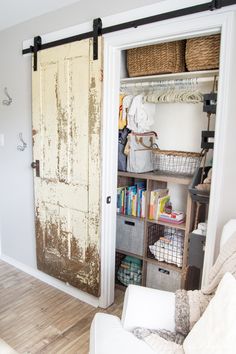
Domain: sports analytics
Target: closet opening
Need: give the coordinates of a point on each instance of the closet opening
(166, 129)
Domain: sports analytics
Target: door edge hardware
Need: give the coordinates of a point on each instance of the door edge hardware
(35, 49)
(108, 200)
(36, 165)
(97, 31)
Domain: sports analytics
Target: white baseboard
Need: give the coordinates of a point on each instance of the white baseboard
(68, 289)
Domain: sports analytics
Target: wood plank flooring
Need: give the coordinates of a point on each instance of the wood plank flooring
(37, 318)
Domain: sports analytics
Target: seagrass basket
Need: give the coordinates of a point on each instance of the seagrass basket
(156, 59)
(203, 53)
(176, 162)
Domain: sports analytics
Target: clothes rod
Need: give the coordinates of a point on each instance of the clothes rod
(166, 83)
(209, 6)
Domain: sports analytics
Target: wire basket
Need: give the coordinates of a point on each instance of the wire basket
(175, 162)
(128, 270)
(166, 244)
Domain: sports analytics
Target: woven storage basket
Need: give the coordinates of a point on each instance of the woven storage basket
(156, 59)
(176, 162)
(203, 53)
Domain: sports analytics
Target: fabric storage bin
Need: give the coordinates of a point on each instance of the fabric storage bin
(156, 59)
(129, 235)
(163, 279)
(203, 53)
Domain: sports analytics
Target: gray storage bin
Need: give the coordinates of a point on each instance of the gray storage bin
(161, 278)
(129, 234)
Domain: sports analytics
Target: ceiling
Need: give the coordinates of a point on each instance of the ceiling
(17, 11)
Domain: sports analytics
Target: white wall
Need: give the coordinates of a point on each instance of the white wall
(16, 182)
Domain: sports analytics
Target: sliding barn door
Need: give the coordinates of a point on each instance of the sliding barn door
(66, 98)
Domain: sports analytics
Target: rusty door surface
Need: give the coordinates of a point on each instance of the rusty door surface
(66, 100)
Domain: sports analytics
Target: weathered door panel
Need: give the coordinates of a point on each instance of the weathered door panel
(66, 98)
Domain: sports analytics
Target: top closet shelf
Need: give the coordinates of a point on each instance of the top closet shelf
(206, 74)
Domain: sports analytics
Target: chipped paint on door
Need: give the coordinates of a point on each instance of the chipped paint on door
(66, 94)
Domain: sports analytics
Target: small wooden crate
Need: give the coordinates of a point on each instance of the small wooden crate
(156, 59)
(203, 53)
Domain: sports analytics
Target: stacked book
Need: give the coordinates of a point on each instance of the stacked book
(175, 217)
(158, 199)
(131, 200)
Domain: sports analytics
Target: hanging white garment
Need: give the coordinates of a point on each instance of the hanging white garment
(126, 105)
(138, 119)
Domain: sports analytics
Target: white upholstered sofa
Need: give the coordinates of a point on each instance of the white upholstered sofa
(143, 307)
(5, 348)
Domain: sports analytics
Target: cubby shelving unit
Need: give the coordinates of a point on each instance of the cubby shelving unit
(153, 181)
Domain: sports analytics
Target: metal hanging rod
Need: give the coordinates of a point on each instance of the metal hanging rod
(166, 83)
(98, 30)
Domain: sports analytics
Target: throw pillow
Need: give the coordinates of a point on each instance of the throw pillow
(215, 332)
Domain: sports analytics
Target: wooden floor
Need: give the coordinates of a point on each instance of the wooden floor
(37, 318)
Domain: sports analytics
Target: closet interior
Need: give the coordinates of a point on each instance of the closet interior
(168, 99)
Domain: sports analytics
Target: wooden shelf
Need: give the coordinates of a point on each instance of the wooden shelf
(178, 179)
(169, 224)
(129, 254)
(159, 222)
(165, 265)
(131, 216)
(205, 75)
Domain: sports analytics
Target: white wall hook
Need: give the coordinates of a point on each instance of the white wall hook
(9, 100)
(23, 146)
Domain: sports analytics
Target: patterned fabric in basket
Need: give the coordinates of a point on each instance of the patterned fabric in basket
(169, 248)
(130, 271)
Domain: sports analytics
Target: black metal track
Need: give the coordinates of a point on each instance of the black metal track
(209, 6)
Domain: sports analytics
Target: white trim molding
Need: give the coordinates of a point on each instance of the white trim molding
(114, 43)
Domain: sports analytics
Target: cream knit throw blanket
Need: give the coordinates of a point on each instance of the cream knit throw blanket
(190, 305)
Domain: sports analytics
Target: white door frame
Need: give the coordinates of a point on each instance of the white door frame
(204, 23)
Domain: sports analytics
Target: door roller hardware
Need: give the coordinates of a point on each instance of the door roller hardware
(98, 30)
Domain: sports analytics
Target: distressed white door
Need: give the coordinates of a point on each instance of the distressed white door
(66, 96)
